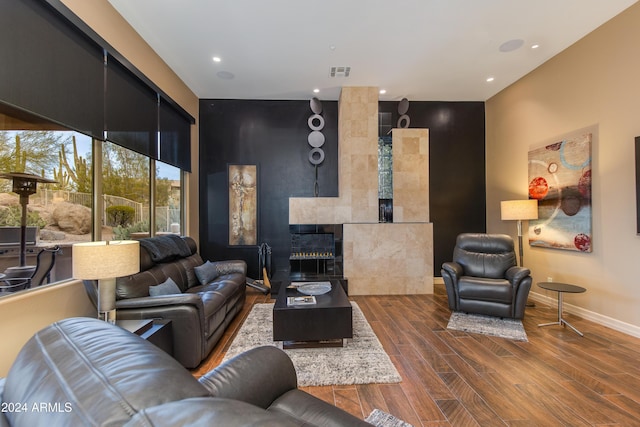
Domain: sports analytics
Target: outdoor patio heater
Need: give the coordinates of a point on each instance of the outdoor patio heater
(24, 185)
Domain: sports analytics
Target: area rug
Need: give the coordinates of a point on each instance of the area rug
(362, 360)
(488, 325)
(382, 419)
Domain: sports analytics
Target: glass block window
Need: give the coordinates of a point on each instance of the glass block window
(385, 168)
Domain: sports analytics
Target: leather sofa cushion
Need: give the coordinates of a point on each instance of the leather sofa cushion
(137, 285)
(104, 374)
(485, 289)
(227, 286)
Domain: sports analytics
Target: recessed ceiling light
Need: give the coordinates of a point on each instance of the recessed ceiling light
(216, 59)
(535, 46)
(383, 91)
(316, 90)
(490, 79)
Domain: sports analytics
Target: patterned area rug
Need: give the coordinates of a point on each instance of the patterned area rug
(488, 325)
(382, 419)
(362, 360)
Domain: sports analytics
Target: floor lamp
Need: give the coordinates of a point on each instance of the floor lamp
(104, 261)
(519, 210)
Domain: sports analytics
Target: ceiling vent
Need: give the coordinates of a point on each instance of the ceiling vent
(340, 71)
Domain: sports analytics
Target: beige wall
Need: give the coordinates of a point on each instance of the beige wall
(22, 315)
(593, 84)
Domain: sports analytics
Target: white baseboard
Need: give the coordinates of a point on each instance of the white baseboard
(600, 319)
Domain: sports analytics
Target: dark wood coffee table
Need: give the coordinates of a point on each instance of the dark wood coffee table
(326, 323)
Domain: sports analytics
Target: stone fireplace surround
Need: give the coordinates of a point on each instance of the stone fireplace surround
(378, 258)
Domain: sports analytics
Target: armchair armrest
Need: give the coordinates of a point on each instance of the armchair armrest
(515, 275)
(258, 376)
(230, 266)
(453, 268)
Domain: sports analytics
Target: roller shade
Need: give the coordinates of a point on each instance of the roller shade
(49, 68)
(175, 137)
(131, 118)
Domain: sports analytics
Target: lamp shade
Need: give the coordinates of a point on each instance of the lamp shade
(104, 260)
(519, 209)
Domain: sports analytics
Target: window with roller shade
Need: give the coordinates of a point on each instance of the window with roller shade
(84, 95)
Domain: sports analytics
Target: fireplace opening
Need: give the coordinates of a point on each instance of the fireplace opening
(316, 251)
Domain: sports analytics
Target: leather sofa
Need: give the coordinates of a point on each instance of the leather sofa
(199, 311)
(86, 372)
(483, 277)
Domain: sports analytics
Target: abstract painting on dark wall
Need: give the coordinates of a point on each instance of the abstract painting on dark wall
(243, 205)
(560, 179)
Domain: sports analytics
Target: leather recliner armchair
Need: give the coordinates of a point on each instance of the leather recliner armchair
(483, 277)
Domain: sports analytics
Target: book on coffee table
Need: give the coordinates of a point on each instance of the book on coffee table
(306, 300)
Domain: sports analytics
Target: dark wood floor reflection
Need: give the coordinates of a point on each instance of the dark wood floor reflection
(459, 379)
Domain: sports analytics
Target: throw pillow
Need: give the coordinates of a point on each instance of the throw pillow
(206, 272)
(168, 287)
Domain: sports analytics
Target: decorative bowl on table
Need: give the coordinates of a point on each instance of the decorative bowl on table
(314, 288)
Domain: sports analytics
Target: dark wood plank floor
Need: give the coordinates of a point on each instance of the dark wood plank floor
(457, 379)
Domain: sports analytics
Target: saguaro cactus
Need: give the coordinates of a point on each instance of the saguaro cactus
(20, 159)
(79, 174)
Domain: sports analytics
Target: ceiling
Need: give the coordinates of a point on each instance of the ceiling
(439, 50)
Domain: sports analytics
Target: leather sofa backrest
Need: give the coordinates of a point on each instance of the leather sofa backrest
(91, 373)
(146, 262)
(484, 255)
(180, 269)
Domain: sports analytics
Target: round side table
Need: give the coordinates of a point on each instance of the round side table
(561, 288)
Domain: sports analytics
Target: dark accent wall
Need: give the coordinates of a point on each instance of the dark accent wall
(273, 135)
(457, 188)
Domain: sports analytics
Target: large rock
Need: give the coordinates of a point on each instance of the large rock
(51, 235)
(72, 219)
(9, 199)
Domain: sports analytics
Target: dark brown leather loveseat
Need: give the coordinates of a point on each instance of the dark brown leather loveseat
(207, 298)
(86, 372)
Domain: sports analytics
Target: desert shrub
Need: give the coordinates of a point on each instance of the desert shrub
(124, 233)
(120, 215)
(12, 216)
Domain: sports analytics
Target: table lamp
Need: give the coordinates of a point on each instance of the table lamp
(519, 210)
(104, 261)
